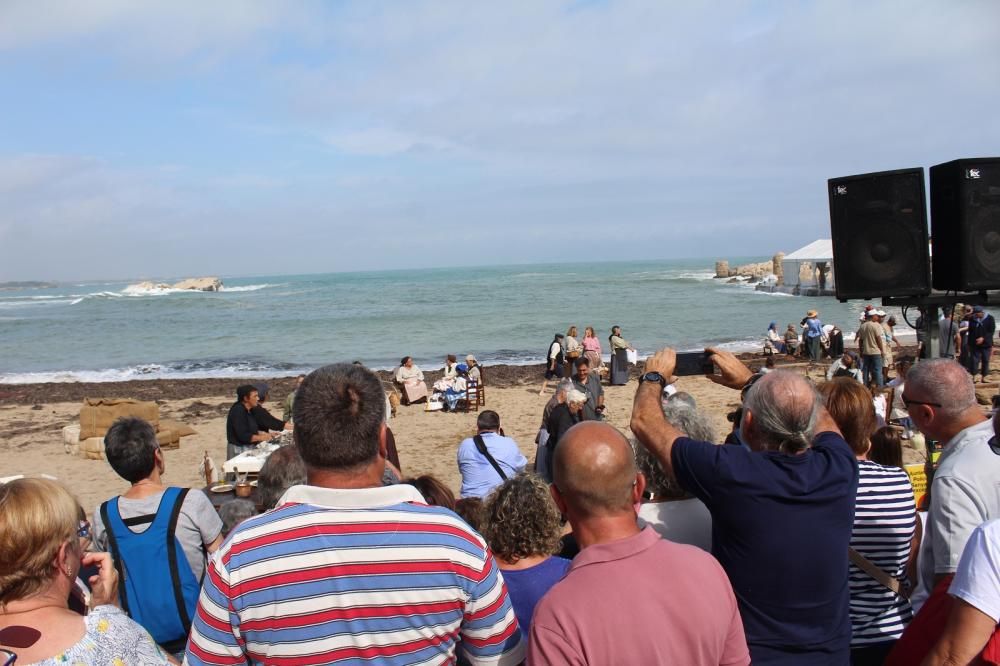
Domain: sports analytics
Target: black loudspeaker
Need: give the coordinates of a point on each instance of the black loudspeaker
(878, 222)
(965, 224)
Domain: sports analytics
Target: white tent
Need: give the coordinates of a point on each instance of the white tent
(817, 260)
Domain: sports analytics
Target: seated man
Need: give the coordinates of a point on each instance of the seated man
(487, 459)
(629, 597)
(411, 383)
(242, 431)
(159, 584)
(346, 570)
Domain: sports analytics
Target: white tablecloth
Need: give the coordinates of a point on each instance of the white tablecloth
(249, 462)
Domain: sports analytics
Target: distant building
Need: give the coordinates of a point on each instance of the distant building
(809, 270)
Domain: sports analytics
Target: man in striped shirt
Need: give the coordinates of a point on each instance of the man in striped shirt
(345, 570)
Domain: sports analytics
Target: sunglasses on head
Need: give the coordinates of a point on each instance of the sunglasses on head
(83, 531)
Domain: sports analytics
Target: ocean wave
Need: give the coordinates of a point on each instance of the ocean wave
(249, 287)
(202, 369)
(11, 305)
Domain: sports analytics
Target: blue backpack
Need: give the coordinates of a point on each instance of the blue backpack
(162, 604)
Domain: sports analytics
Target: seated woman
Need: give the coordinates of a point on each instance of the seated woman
(773, 343)
(475, 370)
(411, 383)
(458, 388)
(521, 525)
(670, 510)
(448, 374)
(38, 566)
(791, 340)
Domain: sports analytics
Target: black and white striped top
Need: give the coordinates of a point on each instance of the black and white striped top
(884, 523)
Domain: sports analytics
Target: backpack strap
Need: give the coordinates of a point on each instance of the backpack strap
(175, 577)
(481, 447)
(880, 576)
(115, 553)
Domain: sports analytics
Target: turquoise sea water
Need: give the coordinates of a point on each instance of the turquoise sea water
(280, 325)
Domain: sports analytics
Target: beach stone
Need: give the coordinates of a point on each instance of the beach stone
(722, 269)
(200, 284)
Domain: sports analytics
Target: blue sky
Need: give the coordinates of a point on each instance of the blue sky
(249, 138)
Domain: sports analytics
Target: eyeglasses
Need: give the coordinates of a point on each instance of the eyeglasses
(7, 656)
(83, 531)
(908, 402)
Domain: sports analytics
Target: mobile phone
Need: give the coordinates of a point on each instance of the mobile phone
(693, 363)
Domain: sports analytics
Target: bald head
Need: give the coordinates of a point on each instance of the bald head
(783, 408)
(594, 470)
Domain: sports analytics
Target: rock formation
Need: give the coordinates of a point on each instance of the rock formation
(722, 269)
(200, 284)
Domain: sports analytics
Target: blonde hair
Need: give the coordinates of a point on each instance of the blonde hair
(589, 332)
(37, 516)
(571, 333)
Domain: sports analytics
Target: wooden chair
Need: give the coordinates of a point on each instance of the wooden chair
(481, 392)
(473, 395)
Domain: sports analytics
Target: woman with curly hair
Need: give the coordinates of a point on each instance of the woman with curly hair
(522, 526)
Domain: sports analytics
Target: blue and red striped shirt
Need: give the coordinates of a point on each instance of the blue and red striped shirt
(354, 577)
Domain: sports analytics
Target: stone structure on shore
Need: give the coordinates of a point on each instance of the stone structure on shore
(751, 272)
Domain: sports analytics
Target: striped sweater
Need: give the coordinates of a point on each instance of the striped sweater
(354, 577)
(884, 523)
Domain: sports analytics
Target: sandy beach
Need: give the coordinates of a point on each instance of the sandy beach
(33, 415)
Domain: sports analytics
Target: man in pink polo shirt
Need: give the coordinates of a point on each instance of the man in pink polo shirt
(629, 597)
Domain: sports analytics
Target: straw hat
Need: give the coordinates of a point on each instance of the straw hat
(812, 313)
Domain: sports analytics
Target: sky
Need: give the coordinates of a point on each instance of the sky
(189, 138)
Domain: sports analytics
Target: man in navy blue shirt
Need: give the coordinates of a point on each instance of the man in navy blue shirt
(782, 507)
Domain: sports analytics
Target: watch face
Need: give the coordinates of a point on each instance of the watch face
(652, 377)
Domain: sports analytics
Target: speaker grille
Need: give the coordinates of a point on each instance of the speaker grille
(878, 223)
(965, 217)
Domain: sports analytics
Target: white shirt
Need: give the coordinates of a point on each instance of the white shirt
(681, 521)
(977, 581)
(965, 493)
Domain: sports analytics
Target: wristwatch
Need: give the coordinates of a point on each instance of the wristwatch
(654, 377)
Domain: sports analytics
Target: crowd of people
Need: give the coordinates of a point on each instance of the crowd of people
(794, 541)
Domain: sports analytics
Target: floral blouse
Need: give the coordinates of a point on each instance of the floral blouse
(111, 639)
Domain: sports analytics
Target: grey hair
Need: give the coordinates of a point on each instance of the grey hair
(564, 386)
(576, 397)
(282, 470)
(784, 407)
(945, 382)
(235, 512)
(680, 414)
(682, 398)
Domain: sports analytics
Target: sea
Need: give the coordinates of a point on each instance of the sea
(282, 325)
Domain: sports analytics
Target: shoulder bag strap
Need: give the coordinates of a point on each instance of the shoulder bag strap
(884, 579)
(116, 556)
(481, 447)
(175, 578)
